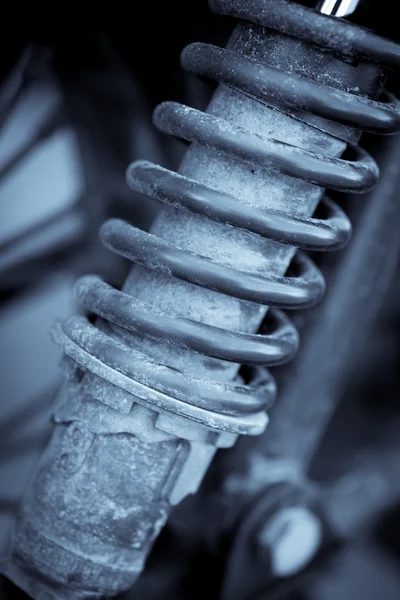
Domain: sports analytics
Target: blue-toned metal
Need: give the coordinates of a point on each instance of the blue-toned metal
(337, 8)
(153, 386)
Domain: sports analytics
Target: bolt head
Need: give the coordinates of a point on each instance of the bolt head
(290, 539)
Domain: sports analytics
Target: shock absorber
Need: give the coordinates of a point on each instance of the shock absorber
(154, 385)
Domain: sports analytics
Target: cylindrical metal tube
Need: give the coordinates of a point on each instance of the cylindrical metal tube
(114, 468)
(337, 8)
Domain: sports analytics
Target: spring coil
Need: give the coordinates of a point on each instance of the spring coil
(235, 407)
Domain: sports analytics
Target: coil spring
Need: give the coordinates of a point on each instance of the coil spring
(236, 407)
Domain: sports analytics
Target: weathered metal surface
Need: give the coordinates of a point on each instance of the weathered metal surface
(104, 487)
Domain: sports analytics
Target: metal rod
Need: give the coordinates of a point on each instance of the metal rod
(337, 8)
(340, 325)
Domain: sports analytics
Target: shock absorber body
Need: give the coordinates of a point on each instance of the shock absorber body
(153, 387)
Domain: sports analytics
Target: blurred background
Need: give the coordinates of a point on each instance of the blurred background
(75, 110)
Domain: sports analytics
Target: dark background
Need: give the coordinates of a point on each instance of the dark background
(150, 35)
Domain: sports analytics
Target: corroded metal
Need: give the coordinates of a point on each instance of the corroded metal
(124, 449)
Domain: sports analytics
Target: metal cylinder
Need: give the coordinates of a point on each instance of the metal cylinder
(337, 8)
(114, 468)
